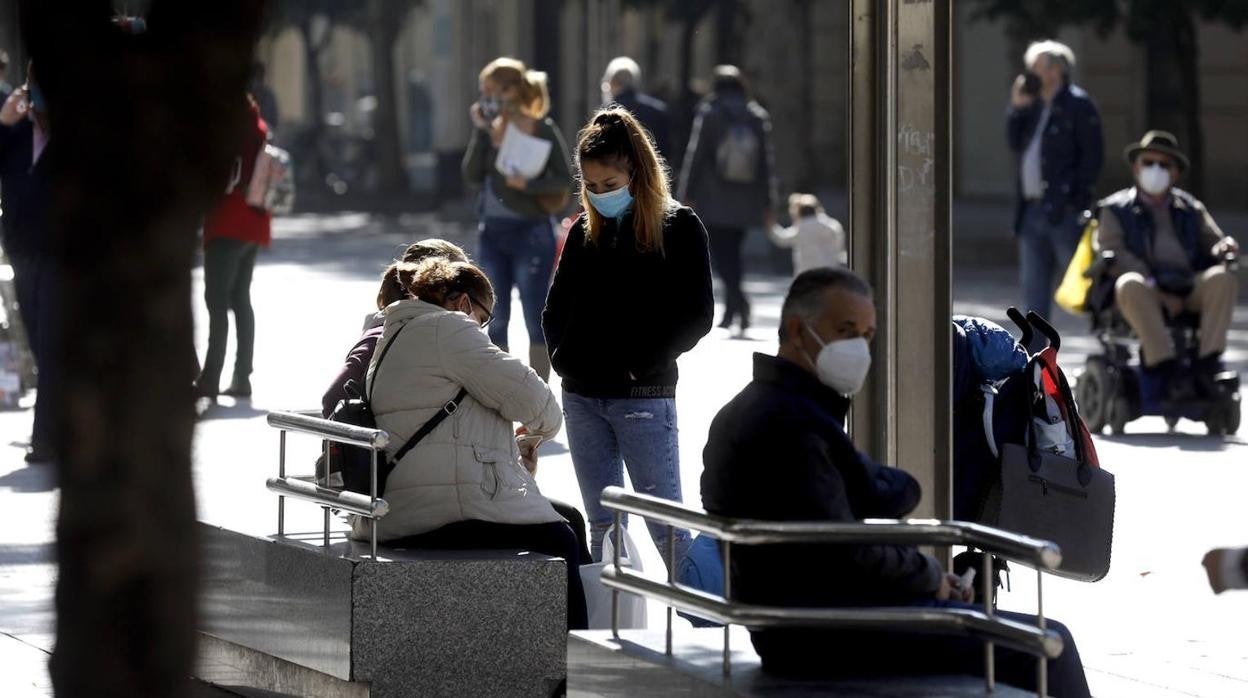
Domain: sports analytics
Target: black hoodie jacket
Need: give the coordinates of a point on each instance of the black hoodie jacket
(617, 318)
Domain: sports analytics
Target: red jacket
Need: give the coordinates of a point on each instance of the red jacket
(232, 217)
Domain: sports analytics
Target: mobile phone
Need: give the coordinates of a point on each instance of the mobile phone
(1031, 84)
(529, 440)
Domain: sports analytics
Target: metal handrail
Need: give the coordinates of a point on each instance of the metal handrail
(370, 507)
(328, 430)
(1038, 641)
(350, 502)
(944, 621)
(1013, 546)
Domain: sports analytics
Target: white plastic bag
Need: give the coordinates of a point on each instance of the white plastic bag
(598, 595)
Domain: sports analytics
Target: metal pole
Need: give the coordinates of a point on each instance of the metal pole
(281, 472)
(326, 510)
(373, 497)
(615, 593)
(990, 663)
(1042, 664)
(671, 579)
(728, 598)
(324, 482)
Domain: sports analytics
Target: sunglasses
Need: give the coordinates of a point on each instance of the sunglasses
(489, 317)
(1151, 162)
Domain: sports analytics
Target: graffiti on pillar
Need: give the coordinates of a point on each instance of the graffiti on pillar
(915, 60)
(916, 163)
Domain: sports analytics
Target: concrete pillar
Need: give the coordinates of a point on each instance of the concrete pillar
(900, 183)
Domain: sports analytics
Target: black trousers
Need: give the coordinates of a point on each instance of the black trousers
(35, 281)
(726, 262)
(555, 539)
(228, 267)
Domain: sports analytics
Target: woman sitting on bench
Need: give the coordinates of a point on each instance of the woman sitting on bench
(464, 485)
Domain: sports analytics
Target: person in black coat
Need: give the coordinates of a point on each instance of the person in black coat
(621, 86)
(24, 139)
(779, 452)
(632, 293)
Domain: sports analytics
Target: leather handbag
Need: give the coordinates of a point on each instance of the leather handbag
(1054, 488)
(1052, 497)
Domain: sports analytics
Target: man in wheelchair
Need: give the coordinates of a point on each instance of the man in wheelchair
(1170, 264)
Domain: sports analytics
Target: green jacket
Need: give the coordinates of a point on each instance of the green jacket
(555, 179)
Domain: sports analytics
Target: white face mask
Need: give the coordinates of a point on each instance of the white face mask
(842, 365)
(1154, 179)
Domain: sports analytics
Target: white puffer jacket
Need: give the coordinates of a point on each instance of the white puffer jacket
(469, 466)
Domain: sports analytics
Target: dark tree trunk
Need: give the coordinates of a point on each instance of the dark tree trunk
(385, 19)
(143, 132)
(1173, 97)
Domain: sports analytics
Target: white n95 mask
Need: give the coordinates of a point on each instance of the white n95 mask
(842, 365)
(1154, 179)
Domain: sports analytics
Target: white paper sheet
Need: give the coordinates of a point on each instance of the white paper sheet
(522, 154)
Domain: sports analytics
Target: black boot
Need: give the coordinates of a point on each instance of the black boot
(1205, 373)
(1176, 381)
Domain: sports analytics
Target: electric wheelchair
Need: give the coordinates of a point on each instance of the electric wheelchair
(1114, 389)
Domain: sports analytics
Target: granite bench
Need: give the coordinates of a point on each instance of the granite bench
(292, 616)
(637, 665)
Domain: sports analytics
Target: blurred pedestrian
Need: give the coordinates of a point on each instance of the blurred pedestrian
(1054, 128)
(817, 239)
(234, 232)
(265, 98)
(631, 294)
(24, 143)
(728, 177)
(5, 88)
(621, 86)
(517, 243)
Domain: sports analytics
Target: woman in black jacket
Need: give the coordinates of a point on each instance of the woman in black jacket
(632, 293)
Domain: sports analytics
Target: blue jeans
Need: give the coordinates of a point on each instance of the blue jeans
(517, 253)
(604, 436)
(1044, 251)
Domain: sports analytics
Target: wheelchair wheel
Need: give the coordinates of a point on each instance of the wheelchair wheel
(1092, 394)
(1231, 417)
(1119, 408)
(1215, 421)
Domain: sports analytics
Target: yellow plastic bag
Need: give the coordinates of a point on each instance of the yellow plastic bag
(1072, 294)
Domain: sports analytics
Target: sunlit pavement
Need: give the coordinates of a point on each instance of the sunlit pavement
(1151, 628)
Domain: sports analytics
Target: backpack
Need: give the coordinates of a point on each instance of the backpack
(272, 186)
(354, 463)
(738, 153)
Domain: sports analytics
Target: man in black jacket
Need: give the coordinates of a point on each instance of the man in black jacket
(1054, 128)
(778, 451)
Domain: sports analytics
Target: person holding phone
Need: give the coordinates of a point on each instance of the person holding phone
(24, 140)
(463, 486)
(1054, 128)
(517, 228)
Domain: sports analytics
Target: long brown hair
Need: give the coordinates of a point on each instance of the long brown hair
(532, 92)
(614, 137)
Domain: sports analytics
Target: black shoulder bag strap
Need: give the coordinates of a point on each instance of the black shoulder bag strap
(447, 410)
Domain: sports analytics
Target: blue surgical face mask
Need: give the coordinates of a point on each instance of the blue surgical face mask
(612, 204)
